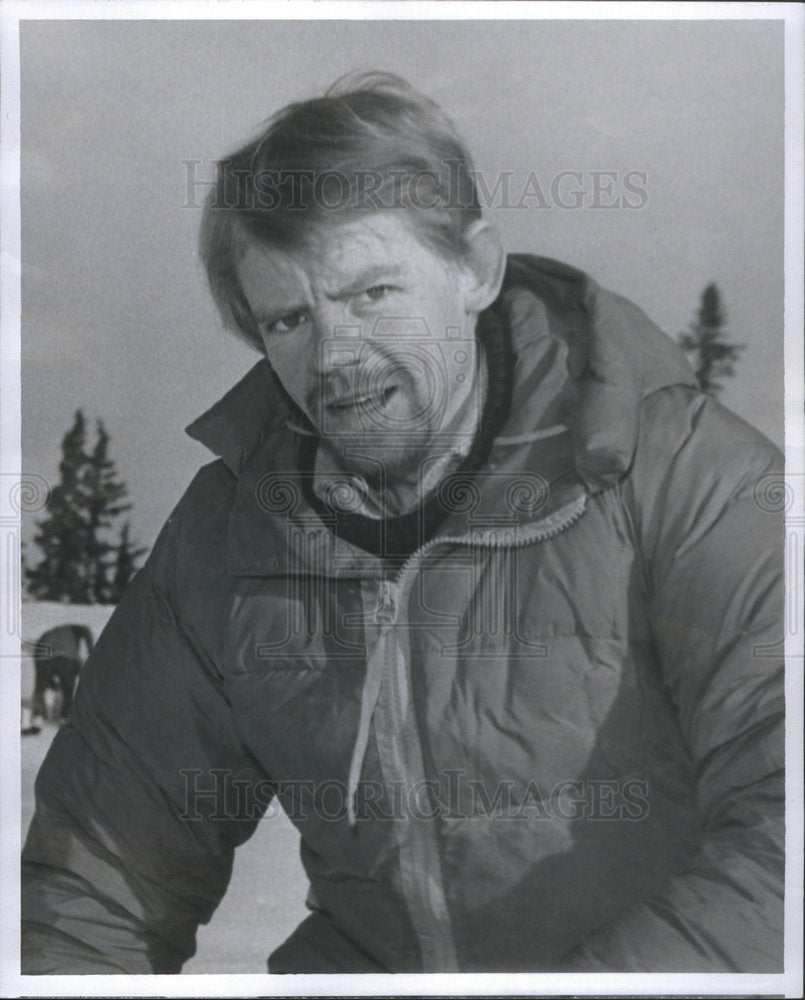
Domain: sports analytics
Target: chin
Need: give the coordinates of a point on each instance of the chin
(376, 461)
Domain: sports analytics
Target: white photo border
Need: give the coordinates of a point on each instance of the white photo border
(12, 983)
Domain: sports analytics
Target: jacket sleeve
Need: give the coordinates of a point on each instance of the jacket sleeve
(705, 495)
(140, 801)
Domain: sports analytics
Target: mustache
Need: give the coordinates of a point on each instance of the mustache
(357, 381)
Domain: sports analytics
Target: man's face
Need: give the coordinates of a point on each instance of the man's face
(372, 335)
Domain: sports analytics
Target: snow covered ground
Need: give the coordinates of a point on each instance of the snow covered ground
(265, 900)
(39, 616)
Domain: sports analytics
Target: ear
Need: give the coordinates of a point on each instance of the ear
(482, 265)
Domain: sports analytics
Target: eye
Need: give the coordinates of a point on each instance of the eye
(377, 292)
(288, 321)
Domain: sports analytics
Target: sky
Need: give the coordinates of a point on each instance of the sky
(118, 117)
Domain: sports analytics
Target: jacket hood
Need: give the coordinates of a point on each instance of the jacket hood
(613, 357)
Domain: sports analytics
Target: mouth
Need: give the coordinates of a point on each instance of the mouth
(365, 402)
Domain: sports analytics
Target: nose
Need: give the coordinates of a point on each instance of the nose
(338, 337)
(335, 347)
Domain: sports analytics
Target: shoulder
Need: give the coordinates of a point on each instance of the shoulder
(207, 500)
(193, 539)
(699, 470)
(682, 427)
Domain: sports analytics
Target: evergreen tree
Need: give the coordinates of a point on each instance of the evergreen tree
(126, 558)
(79, 557)
(61, 536)
(103, 493)
(711, 355)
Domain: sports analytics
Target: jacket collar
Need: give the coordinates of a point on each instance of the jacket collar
(252, 411)
(560, 322)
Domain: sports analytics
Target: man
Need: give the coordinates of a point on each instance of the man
(478, 587)
(58, 658)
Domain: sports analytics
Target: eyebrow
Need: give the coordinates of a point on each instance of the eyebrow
(365, 279)
(368, 277)
(267, 318)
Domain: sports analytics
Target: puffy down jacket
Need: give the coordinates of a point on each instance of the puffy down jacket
(551, 741)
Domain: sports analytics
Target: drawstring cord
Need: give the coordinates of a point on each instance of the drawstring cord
(369, 697)
(384, 616)
(549, 432)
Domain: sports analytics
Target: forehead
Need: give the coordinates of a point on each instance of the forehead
(335, 254)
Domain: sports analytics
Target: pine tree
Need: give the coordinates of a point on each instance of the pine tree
(78, 554)
(126, 558)
(711, 355)
(103, 495)
(62, 535)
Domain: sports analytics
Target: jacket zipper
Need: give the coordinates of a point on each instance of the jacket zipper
(421, 878)
(541, 531)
